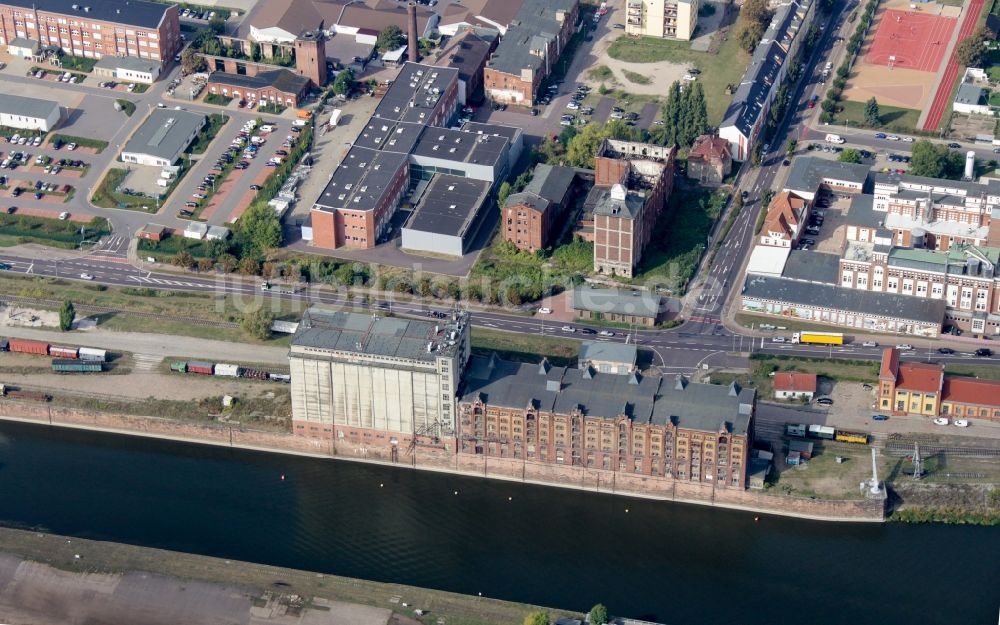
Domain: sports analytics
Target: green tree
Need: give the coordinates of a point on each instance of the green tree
(258, 229)
(257, 323)
(971, 52)
(502, 193)
(255, 53)
(598, 615)
(670, 115)
(391, 38)
(749, 35)
(698, 113)
(872, 115)
(191, 61)
(183, 259)
(67, 314)
(754, 18)
(849, 155)
(227, 262)
(929, 159)
(791, 145)
(344, 82)
(249, 266)
(217, 25)
(540, 617)
(581, 150)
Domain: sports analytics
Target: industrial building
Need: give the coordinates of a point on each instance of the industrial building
(632, 182)
(276, 86)
(128, 69)
(17, 111)
(92, 29)
(529, 50)
(401, 153)
(162, 137)
(533, 217)
(640, 424)
(441, 221)
(367, 380)
(666, 19)
(616, 305)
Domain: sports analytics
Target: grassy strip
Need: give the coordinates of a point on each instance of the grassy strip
(215, 123)
(217, 99)
(163, 251)
(272, 108)
(127, 106)
(636, 77)
(601, 72)
(522, 347)
(77, 63)
(718, 70)
(114, 558)
(946, 514)
(893, 118)
(83, 142)
(47, 231)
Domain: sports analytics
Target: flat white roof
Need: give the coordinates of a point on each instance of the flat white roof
(767, 260)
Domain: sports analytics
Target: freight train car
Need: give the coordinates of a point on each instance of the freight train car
(279, 377)
(92, 353)
(61, 351)
(179, 367)
(76, 366)
(232, 371)
(16, 393)
(204, 368)
(28, 346)
(847, 436)
(4, 345)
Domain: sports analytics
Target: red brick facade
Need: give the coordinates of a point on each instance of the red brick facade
(80, 33)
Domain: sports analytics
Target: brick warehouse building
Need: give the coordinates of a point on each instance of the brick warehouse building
(136, 28)
(529, 50)
(534, 216)
(643, 425)
(632, 182)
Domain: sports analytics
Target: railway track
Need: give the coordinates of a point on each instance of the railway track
(28, 301)
(906, 447)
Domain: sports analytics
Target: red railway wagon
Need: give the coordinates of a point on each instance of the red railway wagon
(59, 351)
(205, 368)
(28, 346)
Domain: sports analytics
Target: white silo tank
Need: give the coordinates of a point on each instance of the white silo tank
(970, 165)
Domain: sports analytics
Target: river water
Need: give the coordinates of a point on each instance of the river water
(672, 563)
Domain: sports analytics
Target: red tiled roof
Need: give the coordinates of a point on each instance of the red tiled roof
(709, 147)
(971, 391)
(794, 381)
(890, 362)
(918, 376)
(783, 213)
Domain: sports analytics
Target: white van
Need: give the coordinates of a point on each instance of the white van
(831, 138)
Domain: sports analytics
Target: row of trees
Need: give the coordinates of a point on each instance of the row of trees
(755, 15)
(684, 115)
(833, 95)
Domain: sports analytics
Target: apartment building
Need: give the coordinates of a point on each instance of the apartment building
(925, 389)
(747, 114)
(529, 50)
(135, 28)
(632, 182)
(654, 426)
(359, 379)
(531, 218)
(668, 19)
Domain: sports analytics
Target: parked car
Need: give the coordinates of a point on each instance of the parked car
(962, 423)
(880, 417)
(824, 401)
(880, 135)
(778, 339)
(86, 276)
(945, 350)
(587, 331)
(892, 138)
(544, 311)
(63, 216)
(568, 329)
(984, 352)
(606, 333)
(955, 146)
(907, 139)
(191, 204)
(941, 421)
(903, 347)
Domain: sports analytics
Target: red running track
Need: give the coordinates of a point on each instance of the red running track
(951, 71)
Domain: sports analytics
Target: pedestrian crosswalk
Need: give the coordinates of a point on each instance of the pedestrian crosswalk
(146, 362)
(165, 282)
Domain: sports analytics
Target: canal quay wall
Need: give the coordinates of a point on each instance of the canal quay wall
(443, 458)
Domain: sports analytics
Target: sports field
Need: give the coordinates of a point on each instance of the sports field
(910, 40)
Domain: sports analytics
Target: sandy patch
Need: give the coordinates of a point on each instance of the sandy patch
(905, 88)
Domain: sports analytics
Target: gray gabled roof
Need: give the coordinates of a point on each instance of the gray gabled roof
(885, 305)
(809, 172)
(532, 28)
(28, 107)
(617, 301)
(127, 12)
(165, 133)
(644, 399)
(551, 182)
(608, 352)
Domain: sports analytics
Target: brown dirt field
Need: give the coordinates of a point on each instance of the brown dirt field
(905, 88)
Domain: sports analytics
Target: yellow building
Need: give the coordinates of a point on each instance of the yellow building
(670, 19)
(911, 387)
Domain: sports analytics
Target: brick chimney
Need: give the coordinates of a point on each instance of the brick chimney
(411, 34)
